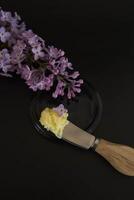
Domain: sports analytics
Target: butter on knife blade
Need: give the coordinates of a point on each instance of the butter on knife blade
(58, 124)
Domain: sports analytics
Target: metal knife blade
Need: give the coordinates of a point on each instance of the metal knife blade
(77, 136)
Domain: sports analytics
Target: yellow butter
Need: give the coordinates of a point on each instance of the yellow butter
(52, 121)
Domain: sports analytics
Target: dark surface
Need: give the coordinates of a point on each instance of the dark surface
(98, 37)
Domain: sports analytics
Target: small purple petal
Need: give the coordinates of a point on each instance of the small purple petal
(25, 72)
(54, 52)
(4, 35)
(60, 109)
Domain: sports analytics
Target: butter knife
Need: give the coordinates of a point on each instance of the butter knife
(121, 157)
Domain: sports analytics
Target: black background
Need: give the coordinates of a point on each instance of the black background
(98, 37)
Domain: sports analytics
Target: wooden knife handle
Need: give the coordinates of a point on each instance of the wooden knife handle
(121, 157)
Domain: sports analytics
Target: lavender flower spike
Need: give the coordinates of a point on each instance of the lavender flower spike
(41, 66)
(4, 35)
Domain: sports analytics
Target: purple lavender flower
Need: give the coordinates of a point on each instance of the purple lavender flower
(74, 75)
(38, 53)
(54, 52)
(15, 24)
(53, 68)
(63, 65)
(59, 91)
(4, 35)
(60, 109)
(11, 27)
(17, 54)
(35, 81)
(41, 66)
(74, 88)
(27, 34)
(5, 65)
(5, 16)
(38, 81)
(36, 44)
(48, 82)
(25, 72)
(36, 41)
